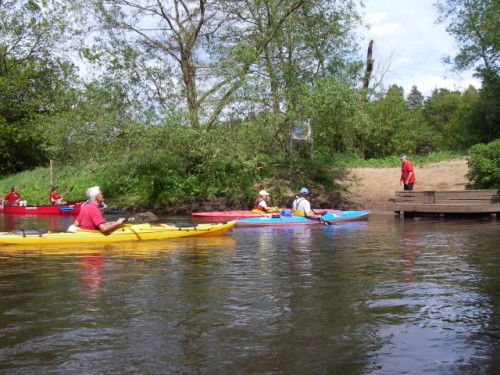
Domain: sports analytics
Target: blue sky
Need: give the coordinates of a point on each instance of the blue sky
(409, 46)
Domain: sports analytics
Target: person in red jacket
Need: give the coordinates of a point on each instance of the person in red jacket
(54, 197)
(407, 172)
(13, 198)
(90, 216)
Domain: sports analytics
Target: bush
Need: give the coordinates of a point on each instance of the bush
(484, 166)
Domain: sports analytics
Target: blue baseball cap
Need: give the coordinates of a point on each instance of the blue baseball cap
(304, 191)
(402, 156)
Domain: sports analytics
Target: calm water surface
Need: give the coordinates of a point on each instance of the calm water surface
(383, 296)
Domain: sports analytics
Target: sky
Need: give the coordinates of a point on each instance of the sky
(409, 46)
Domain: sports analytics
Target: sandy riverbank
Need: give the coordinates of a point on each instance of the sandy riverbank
(371, 188)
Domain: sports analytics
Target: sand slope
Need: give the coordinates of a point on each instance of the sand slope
(371, 188)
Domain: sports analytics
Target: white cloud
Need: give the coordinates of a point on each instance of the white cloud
(409, 46)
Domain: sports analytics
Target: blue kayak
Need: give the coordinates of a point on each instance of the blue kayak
(279, 220)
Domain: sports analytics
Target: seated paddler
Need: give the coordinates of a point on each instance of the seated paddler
(261, 203)
(91, 217)
(54, 197)
(302, 207)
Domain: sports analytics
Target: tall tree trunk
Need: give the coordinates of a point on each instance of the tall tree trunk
(273, 82)
(368, 70)
(188, 69)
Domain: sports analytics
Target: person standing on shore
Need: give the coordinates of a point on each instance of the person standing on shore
(407, 173)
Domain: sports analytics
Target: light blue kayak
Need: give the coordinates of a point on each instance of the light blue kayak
(279, 220)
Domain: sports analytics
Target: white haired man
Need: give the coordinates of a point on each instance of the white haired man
(90, 216)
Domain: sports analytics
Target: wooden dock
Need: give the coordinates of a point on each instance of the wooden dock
(466, 202)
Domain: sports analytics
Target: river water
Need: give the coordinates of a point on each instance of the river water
(382, 296)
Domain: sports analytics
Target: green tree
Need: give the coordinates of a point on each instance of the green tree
(415, 99)
(32, 74)
(394, 127)
(170, 45)
(27, 92)
(485, 118)
(97, 125)
(484, 166)
(310, 47)
(475, 25)
(338, 125)
(441, 111)
(452, 115)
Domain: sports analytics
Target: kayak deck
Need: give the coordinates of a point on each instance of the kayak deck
(127, 232)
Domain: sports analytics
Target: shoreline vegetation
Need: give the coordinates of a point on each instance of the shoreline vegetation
(367, 185)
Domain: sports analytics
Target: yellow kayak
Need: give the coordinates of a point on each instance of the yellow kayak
(127, 232)
(213, 245)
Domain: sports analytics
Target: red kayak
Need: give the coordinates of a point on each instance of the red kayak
(242, 214)
(64, 209)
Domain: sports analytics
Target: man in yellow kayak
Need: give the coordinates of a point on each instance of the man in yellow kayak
(90, 216)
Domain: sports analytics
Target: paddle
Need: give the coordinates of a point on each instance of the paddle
(115, 212)
(140, 218)
(324, 221)
(63, 195)
(320, 218)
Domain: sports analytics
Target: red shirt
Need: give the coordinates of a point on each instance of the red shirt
(11, 198)
(406, 168)
(90, 217)
(53, 197)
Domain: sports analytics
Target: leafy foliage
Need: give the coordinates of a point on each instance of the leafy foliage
(484, 166)
(475, 26)
(334, 110)
(27, 91)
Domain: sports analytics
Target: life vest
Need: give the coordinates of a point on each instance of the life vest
(256, 205)
(258, 209)
(296, 207)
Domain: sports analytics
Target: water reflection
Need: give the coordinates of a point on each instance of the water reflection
(10, 222)
(411, 253)
(91, 275)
